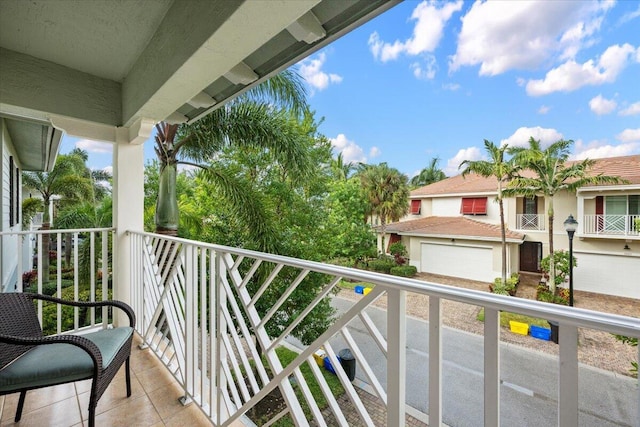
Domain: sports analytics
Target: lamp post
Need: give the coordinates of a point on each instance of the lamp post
(570, 224)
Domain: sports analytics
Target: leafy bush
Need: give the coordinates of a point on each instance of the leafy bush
(561, 261)
(544, 294)
(28, 277)
(382, 265)
(507, 289)
(399, 251)
(404, 270)
(50, 310)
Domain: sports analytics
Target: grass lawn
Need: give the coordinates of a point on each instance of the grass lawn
(287, 356)
(506, 316)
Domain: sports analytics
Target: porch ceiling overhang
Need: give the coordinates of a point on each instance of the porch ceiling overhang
(453, 227)
(115, 64)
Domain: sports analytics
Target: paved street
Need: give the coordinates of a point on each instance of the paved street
(529, 378)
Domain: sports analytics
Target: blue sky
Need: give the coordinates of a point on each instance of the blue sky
(434, 79)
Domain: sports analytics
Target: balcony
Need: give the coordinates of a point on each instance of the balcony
(612, 225)
(198, 319)
(530, 222)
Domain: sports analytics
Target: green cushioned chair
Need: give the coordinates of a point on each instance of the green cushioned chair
(29, 360)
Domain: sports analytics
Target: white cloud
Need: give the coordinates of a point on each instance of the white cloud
(520, 137)
(451, 86)
(471, 153)
(571, 75)
(108, 169)
(602, 106)
(543, 109)
(631, 110)
(351, 152)
(629, 16)
(629, 135)
(427, 33)
(501, 36)
(311, 71)
(599, 150)
(94, 146)
(374, 152)
(426, 71)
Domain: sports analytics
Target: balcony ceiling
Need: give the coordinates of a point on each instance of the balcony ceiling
(113, 63)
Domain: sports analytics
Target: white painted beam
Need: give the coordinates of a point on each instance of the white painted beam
(35, 88)
(179, 64)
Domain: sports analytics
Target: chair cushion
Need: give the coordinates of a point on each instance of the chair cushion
(61, 363)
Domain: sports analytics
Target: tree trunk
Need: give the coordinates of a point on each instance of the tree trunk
(67, 249)
(552, 264)
(166, 217)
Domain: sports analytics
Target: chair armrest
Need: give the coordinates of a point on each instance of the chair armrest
(113, 303)
(79, 341)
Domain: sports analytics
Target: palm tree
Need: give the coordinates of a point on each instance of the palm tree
(387, 192)
(62, 181)
(261, 118)
(340, 169)
(552, 174)
(503, 170)
(428, 175)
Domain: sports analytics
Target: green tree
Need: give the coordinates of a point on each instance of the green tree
(503, 170)
(387, 193)
(261, 118)
(340, 169)
(552, 174)
(63, 181)
(428, 175)
(351, 235)
(291, 199)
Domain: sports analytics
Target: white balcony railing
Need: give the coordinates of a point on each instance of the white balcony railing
(530, 222)
(614, 225)
(79, 268)
(196, 306)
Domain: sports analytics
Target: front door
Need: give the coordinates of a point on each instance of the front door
(530, 256)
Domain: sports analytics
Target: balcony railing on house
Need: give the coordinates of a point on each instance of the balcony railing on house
(614, 225)
(76, 264)
(530, 222)
(196, 305)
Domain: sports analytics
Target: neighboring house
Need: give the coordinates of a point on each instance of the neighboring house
(18, 154)
(453, 229)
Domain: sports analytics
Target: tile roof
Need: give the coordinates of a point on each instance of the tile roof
(452, 226)
(627, 167)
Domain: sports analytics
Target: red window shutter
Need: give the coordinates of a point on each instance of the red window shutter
(467, 206)
(599, 213)
(415, 207)
(474, 206)
(480, 206)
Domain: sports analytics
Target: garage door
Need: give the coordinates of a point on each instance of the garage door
(469, 262)
(607, 274)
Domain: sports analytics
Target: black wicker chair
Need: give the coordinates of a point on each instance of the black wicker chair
(29, 360)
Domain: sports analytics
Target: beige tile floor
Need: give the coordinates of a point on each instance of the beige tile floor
(153, 401)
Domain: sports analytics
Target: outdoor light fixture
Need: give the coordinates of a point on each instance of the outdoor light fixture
(570, 225)
(626, 247)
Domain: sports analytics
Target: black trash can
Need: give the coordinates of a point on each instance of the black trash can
(348, 363)
(554, 330)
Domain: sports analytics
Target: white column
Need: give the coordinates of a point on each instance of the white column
(128, 204)
(491, 367)
(568, 376)
(396, 356)
(580, 215)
